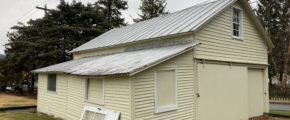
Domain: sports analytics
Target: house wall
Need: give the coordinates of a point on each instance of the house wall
(123, 48)
(143, 92)
(68, 100)
(218, 43)
(53, 103)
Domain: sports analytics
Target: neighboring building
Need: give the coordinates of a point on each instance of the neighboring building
(207, 62)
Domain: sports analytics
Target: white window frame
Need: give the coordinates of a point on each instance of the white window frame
(86, 83)
(241, 27)
(168, 107)
(109, 114)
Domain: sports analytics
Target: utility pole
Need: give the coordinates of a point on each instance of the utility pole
(45, 9)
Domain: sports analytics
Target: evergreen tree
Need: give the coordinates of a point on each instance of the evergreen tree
(111, 9)
(151, 9)
(48, 40)
(274, 16)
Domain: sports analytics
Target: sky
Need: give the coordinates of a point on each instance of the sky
(14, 11)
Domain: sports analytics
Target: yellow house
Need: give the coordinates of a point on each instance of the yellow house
(206, 62)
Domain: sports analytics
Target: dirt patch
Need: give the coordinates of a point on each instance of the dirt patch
(26, 116)
(7, 101)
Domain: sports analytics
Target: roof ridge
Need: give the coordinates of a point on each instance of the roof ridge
(156, 27)
(196, 5)
(199, 4)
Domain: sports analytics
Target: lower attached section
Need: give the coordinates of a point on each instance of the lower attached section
(74, 92)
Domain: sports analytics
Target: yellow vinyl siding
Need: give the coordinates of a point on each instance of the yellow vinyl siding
(75, 99)
(114, 50)
(52, 102)
(218, 43)
(117, 95)
(144, 98)
(68, 100)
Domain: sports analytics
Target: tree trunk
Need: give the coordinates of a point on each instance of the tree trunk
(286, 60)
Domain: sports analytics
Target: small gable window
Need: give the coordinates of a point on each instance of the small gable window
(237, 22)
(51, 82)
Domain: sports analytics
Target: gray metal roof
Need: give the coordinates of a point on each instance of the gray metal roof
(120, 63)
(183, 21)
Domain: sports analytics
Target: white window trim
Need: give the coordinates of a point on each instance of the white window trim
(241, 37)
(86, 93)
(168, 107)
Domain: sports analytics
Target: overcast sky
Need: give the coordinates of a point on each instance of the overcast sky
(13, 11)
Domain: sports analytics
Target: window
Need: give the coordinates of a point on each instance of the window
(237, 22)
(51, 82)
(165, 91)
(94, 91)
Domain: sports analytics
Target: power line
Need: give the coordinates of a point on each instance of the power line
(27, 14)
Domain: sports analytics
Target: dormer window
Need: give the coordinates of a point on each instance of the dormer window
(237, 22)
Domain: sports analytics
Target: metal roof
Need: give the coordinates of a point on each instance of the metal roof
(183, 21)
(121, 63)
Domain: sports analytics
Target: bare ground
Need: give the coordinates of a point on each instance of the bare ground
(7, 101)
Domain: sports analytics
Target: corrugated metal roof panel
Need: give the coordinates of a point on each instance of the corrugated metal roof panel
(121, 63)
(179, 22)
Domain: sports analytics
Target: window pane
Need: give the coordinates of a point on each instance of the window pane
(166, 88)
(89, 115)
(236, 22)
(51, 82)
(95, 91)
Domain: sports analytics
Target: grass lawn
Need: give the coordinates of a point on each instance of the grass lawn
(25, 116)
(7, 101)
(280, 112)
(280, 119)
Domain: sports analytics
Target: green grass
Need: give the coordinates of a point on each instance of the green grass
(280, 112)
(25, 116)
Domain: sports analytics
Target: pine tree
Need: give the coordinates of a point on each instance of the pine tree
(111, 9)
(274, 16)
(48, 40)
(151, 9)
(267, 13)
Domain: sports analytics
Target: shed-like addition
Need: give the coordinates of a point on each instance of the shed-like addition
(206, 62)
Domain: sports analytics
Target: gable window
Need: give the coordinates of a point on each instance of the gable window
(51, 82)
(237, 22)
(94, 91)
(165, 91)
